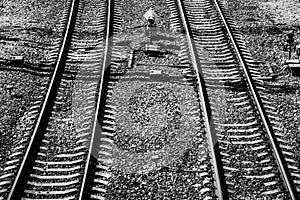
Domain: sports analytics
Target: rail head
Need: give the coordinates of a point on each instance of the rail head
(202, 99)
(258, 102)
(42, 114)
(98, 103)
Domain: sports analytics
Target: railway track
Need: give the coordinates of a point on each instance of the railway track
(117, 169)
(17, 154)
(245, 133)
(91, 142)
(53, 164)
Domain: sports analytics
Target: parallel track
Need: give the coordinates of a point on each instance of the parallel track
(203, 99)
(260, 106)
(83, 194)
(56, 55)
(218, 42)
(98, 169)
(79, 167)
(53, 165)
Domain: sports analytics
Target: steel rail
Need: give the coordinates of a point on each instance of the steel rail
(203, 100)
(96, 123)
(15, 191)
(258, 102)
